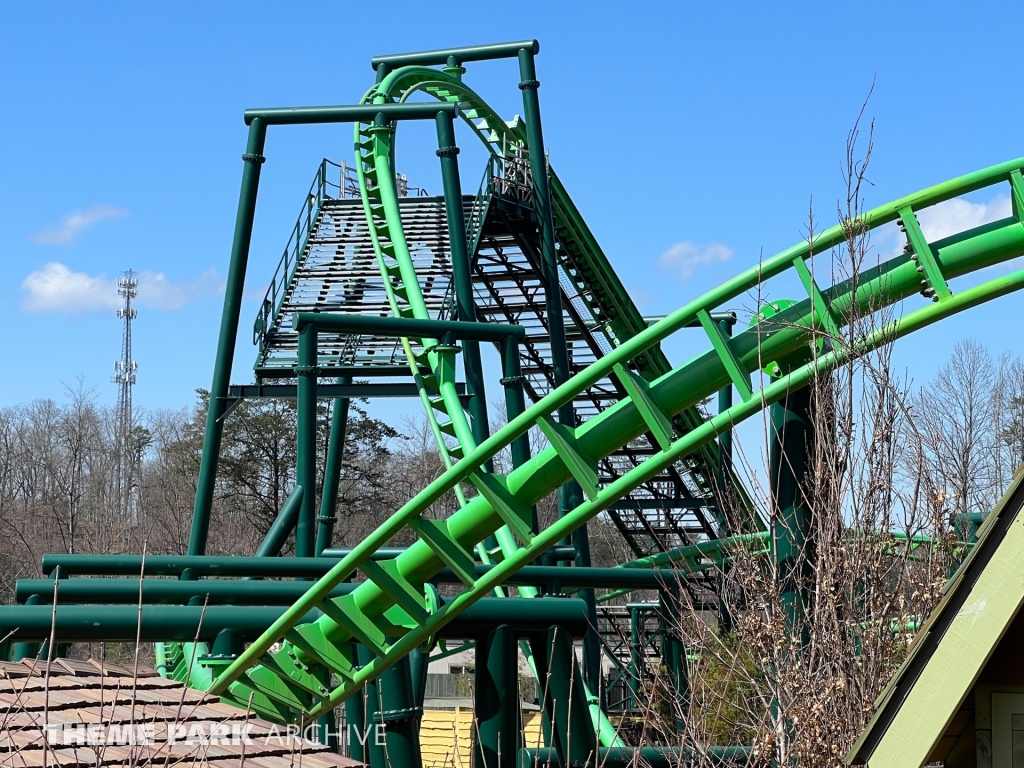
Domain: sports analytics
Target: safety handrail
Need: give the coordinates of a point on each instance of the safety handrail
(296, 246)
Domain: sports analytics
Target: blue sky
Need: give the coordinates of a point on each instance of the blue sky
(692, 136)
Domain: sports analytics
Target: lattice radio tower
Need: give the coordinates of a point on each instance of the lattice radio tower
(124, 377)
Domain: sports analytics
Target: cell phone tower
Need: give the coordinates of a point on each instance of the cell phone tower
(124, 376)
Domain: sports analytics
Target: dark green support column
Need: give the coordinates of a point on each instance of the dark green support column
(332, 470)
(724, 474)
(390, 704)
(792, 544)
(305, 453)
(253, 159)
(355, 726)
(370, 748)
(282, 526)
(591, 641)
(570, 495)
(542, 202)
(448, 152)
(419, 661)
(569, 730)
(724, 511)
(635, 663)
(515, 398)
(515, 404)
(673, 653)
(496, 699)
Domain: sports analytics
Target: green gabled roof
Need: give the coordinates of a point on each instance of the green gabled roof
(949, 652)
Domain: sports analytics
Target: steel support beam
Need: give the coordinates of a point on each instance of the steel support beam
(305, 443)
(496, 699)
(789, 466)
(448, 154)
(458, 55)
(325, 391)
(282, 526)
(399, 327)
(358, 371)
(332, 470)
(184, 623)
(569, 729)
(205, 565)
(349, 113)
(127, 591)
(253, 159)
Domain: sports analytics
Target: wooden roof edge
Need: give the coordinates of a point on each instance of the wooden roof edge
(930, 634)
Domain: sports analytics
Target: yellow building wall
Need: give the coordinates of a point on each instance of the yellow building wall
(446, 736)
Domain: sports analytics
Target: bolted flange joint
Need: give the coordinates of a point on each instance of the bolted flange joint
(254, 158)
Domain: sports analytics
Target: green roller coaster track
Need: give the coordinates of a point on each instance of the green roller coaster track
(281, 674)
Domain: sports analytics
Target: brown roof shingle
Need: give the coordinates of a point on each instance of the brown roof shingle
(45, 721)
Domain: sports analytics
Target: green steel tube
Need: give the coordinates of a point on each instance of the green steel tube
(354, 113)
(579, 578)
(448, 153)
(119, 623)
(253, 159)
(384, 553)
(332, 471)
(692, 551)
(306, 375)
(125, 591)
(182, 623)
(176, 565)
(400, 327)
(304, 567)
(274, 541)
(460, 55)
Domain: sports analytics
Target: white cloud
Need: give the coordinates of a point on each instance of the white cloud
(72, 225)
(685, 257)
(959, 215)
(56, 289)
(158, 292)
(942, 220)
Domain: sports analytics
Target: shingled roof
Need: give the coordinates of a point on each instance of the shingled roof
(91, 714)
